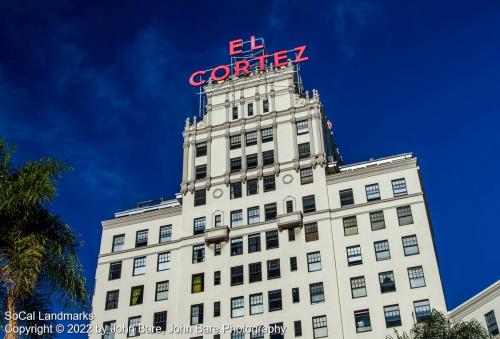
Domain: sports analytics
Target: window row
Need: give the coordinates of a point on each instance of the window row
(141, 238)
(382, 250)
(373, 192)
(137, 295)
(377, 220)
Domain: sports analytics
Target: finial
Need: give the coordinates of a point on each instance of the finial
(186, 125)
(307, 94)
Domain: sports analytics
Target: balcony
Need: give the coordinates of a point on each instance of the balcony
(290, 220)
(216, 234)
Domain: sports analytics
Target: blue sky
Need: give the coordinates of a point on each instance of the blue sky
(104, 88)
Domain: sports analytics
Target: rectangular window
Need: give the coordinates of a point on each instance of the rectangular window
(253, 215)
(196, 314)
(217, 220)
(377, 220)
(311, 231)
(399, 187)
(160, 320)
(358, 287)
(236, 275)
(410, 245)
(291, 234)
(350, 225)
(139, 266)
(354, 255)
(316, 292)
(387, 282)
(306, 176)
(216, 308)
(272, 240)
(382, 251)
(253, 186)
(362, 320)
(163, 261)
(268, 158)
(297, 328)
(161, 290)
(251, 161)
(274, 298)
(346, 197)
(313, 261)
(302, 127)
(198, 253)
(257, 333)
(235, 164)
(236, 246)
(254, 243)
(256, 303)
(199, 225)
(217, 278)
(289, 206)
(270, 211)
(118, 242)
(265, 105)
(293, 264)
(141, 238)
(491, 323)
(273, 269)
(255, 272)
(392, 316)
(416, 276)
(422, 309)
(251, 138)
(197, 283)
(201, 172)
(404, 215)
(295, 295)
(237, 307)
(201, 149)
(372, 192)
(236, 218)
(109, 329)
(200, 197)
(217, 248)
(115, 270)
(235, 141)
(304, 150)
(165, 233)
(269, 183)
(133, 326)
(136, 295)
(250, 109)
(278, 331)
(309, 204)
(235, 112)
(112, 300)
(267, 134)
(320, 327)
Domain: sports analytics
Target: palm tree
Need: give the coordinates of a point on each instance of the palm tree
(38, 260)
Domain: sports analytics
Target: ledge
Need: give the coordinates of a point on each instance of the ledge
(216, 234)
(290, 220)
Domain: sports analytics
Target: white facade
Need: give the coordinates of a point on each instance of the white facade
(306, 278)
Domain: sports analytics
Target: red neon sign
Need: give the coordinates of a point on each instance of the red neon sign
(242, 67)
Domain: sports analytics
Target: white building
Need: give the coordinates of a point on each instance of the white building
(270, 228)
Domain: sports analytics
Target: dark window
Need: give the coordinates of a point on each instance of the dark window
(112, 300)
(255, 272)
(274, 298)
(133, 326)
(196, 314)
(267, 134)
(236, 246)
(139, 266)
(199, 225)
(217, 278)
(200, 197)
(235, 141)
(272, 240)
(217, 309)
(217, 220)
(277, 331)
(236, 275)
(291, 234)
(141, 238)
(297, 328)
(235, 112)
(295, 295)
(270, 211)
(118, 242)
(304, 150)
(399, 187)
(302, 127)
(251, 138)
(273, 269)
(358, 287)
(201, 149)
(346, 197)
(235, 190)
(350, 225)
(306, 175)
(265, 105)
(362, 320)
(289, 206)
(254, 243)
(250, 109)
(377, 221)
(165, 233)
(201, 172)
(268, 158)
(115, 270)
(251, 161)
(410, 245)
(313, 261)
(387, 282)
(109, 327)
(309, 203)
(293, 263)
(423, 310)
(161, 292)
(354, 255)
(416, 276)
(197, 283)
(217, 248)
(491, 322)
(160, 320)
(269, 183)
(372, 192)
(256, 304)
(316, 292)
(136, 295)
(392, 316)
(382, 251)
(311, 231)
(404, 215)
(252, 186)
(253, 215)
(235, 164)
(198, 253)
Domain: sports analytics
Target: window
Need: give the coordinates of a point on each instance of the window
(350, 225)
(199, 225)
(256, 303)
(387, 282)
(216, 308)
(491, 322)
(217, 278)
(139, 266)
(346, 197)
(309, 203)
(399, 187)
(217, 220)
(269, 183)
(422, 309)
(251, 161)
(251, 138)
(354, 255)
(235, 164)
(257, 333)
(115, 270)
(235, 112)
(112, 300)
(291, 234)
(302, 127)
(237, 307)
(267, 134)
(289, 206)
(306, 176)
(200, 197)
(277, 330)
(377, 220)
(253, 215)
(392, 316)
(236, 246)
(295, 295)
(161, 292)
(268, 158)
(362, 320)
(118, 242)
(201, 172)
(160, 320)
(254, 243)
(410, 245)
(141, 238)
(235, 141)
(236, 275)
(250, 109)
(255, 272)
(304, 150)
(274, 298)
(372, 192)
(133, 326)
(198, 253)
(382, 251)
(163, 261)
(416, 275)
(320, 328)
(236, 218)
(272, 240)
(217, 248)
(311, 231)
(252, 186)
(201, 149)
(404, 215)
(270, 211)
(316, 292)
(273, 269)
(109, 329)
(293, 264)
(196, 314)
(297, 328)
(136, 295)
(165, 233)
(265, 105)
(314, 261)
(358, 287)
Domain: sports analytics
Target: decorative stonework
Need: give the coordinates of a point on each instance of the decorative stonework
(217, 193)
(287, 179)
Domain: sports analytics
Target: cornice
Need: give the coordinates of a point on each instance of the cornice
(138, 218)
